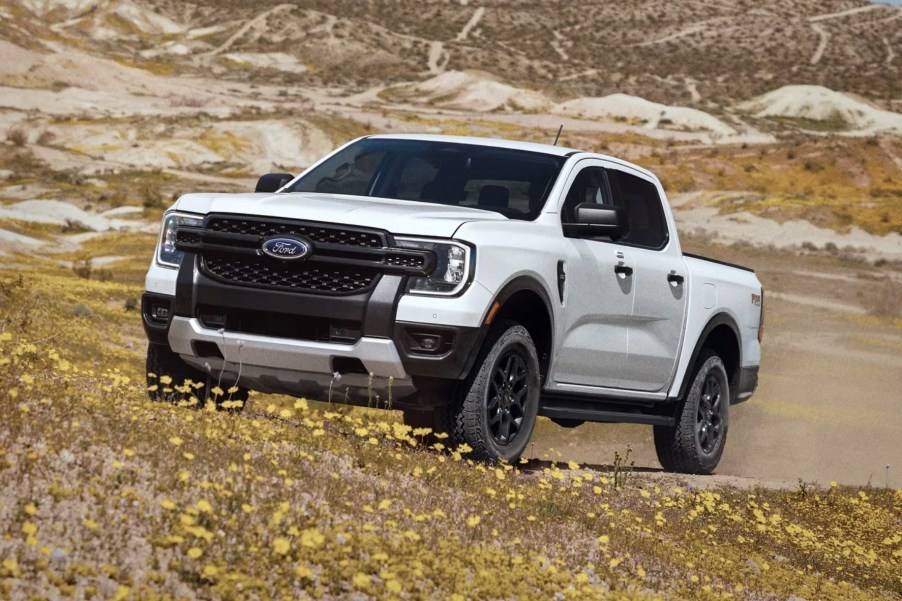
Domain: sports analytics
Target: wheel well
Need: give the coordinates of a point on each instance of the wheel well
(722, 340)
(529, 310)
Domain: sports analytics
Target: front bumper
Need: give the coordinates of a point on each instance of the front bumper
(296, 343)
(302, 367)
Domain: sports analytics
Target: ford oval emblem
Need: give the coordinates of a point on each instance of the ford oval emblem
(282, 247)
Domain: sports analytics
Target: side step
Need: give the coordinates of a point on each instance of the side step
(607, 411)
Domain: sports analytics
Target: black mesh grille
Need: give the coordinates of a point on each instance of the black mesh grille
(317, 233)
(334, 279)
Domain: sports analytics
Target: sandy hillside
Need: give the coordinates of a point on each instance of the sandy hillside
(820, 104)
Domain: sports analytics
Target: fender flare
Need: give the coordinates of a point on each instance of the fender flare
(720, 319)
(520, 284)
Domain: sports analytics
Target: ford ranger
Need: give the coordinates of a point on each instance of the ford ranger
(472, 283)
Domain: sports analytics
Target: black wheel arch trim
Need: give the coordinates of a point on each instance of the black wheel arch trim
(721, 319)
(528, 283)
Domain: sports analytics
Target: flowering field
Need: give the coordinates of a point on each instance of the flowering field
(105, 495)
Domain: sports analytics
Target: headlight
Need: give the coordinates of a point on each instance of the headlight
(167, 255)
(452, 266)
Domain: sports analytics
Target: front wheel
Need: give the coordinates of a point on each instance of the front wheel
(496, 410)
(696, 442)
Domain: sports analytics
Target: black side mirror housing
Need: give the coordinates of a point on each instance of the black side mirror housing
(591, 219)
(272, 182)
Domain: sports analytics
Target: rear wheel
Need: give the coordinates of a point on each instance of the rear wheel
(169, 379)
(695, 444)
(495, 412)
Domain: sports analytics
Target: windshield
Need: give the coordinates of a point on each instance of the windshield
(514, 183)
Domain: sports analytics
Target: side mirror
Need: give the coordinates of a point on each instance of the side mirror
(272, 182)
(591, 219)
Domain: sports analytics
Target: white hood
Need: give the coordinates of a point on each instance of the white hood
(401, 217)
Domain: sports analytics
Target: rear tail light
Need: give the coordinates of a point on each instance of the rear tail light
(761, 319)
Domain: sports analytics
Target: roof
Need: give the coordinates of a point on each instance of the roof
(495, 142)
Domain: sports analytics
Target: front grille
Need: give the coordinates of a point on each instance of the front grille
(306, 277)
(341, 260)
(315, 232)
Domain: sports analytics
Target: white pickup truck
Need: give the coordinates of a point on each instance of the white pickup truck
(472, 283)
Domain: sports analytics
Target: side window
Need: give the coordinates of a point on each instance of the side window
(590, 185)
(646, 226)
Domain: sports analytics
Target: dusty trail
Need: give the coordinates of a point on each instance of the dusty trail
(822, 44)
(255, 22)
(847, 13)
(473, 22)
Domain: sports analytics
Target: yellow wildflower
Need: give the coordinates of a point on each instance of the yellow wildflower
(195, 552)
(281, 545)
(122, 593)
(312, 538)
(303, 572)
(360, 581)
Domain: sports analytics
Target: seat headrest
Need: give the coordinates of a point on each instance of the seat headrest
(494, 196)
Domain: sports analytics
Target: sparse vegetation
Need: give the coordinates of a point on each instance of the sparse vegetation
(17, 136)
(128, 498)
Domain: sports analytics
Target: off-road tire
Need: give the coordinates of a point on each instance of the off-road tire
(695, 444)
(161, 361)
(508, 346)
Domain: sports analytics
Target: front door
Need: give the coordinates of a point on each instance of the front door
(598, 294)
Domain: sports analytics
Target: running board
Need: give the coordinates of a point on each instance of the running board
(580, 409)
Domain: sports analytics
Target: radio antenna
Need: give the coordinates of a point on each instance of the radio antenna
(558, 136)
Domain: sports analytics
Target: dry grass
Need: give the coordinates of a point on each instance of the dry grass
(106, 495)
(834, 182)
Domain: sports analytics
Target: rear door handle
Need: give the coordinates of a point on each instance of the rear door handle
(623, 270)
(675, 279)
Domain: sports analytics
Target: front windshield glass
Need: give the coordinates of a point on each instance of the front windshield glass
(514, 183)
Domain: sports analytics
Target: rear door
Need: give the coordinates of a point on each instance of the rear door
(659, 278)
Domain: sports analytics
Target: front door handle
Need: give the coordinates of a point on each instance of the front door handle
(623, 270)
(675, 279)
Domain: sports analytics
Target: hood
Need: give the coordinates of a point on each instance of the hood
(401, 217)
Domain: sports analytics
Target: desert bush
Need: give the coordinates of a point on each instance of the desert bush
(46, 137)
(17, 135)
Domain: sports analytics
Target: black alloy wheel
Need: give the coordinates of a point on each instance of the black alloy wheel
(695, 442)
(495, 408)
(507, 392)
(709, 419)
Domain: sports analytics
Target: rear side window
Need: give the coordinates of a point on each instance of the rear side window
(644, 213)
